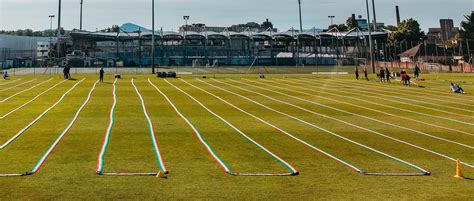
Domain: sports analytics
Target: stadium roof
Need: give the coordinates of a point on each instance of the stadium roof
(291, 34)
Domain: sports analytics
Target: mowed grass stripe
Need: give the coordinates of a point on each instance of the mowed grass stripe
(25, 90)
(430, 91)
(38, 118)
(23, 154)
(50, 150)
(346, 112)
(353, 167)
(402, 100)
(15, 109)
(10, 82)
(296, 85)
(395, 161)
(427, 143)
(358, 96)
(239, 154)
(438, 103)
(406, 106)
(129, 148)
(151, 129)
(262, 148)
(69, 172)
(18, 85)
(414, 97)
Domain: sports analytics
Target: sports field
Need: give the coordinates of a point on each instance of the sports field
(235, 137)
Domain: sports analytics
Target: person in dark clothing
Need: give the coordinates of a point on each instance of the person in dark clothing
(65, 72)
(366, 74)
(5, 75)
(357, 72)
(68, 71)
(101, 72)
(416, 71)
(405, 78)
(387, 74)
(382, 75)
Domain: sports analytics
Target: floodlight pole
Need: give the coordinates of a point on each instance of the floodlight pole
(50, 34)
(153, 37)
(80, 26)
(370, 38)
(301, 19)
(331, 17)
(375, 16)
(58, 32)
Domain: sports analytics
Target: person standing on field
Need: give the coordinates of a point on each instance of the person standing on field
(101, 73)
(387, 74)
(65, 72)
(416, 71)
(357, 72)
(382, 75)
(366, 74)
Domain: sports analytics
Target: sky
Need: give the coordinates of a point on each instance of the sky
(99, 14)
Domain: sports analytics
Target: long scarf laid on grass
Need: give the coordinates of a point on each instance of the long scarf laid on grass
(100, 160)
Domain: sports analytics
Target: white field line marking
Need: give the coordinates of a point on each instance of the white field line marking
(362, 94)
(413, 94)
(350, 113)
(9, 82)
(39, 117)
(236, 129)
(30, 101)
(25, 90)
(419, 91)
(432, 93)
(198, 134)
(18, 85)
(277, 128)
(366, 108)
(393, 98)
(65, 131)
(384, 93)
(151, 128)
(100, 159)
(303, 121)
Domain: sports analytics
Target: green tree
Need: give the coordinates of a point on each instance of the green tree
(28, 32)
(467, 28)
(340, 27)
(408, 30)
(391, 28)
(352, 22)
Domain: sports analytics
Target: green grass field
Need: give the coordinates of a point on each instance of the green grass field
(425, 126)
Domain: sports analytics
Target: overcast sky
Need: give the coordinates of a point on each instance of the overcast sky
(22, 14)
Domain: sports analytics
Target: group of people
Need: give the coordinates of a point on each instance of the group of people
(366, 73)
(384, 74)
(67, 73)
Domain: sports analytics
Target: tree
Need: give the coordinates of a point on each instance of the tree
(467, 28)
(340, 27)
(352, 22)
(391, 28)
(28, 32)
(408, 30)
